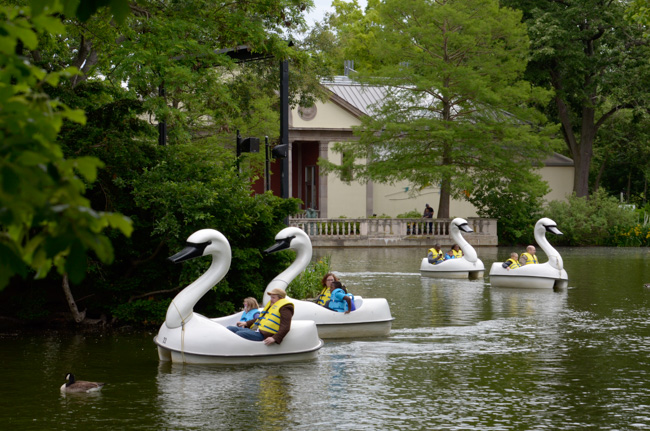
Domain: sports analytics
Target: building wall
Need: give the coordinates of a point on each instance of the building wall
(344, 199)
(323, 116)
(392, 200)
(560, 181)
(360, 200)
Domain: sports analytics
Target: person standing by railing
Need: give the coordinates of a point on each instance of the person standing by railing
(428, 213)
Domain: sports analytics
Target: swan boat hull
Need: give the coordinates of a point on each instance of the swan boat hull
(372, 318)
(548, 275)
(540, 276)
(208, 341)
(453, 268)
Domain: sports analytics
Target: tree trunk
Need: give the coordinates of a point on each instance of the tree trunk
(600, 173)
(581, 150)
(629, 187)
(582, 161)
(443, 205)
(78, 317)
(585, 152)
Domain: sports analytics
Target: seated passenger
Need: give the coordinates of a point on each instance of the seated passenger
(274, 322)
(341, 300)
(325, 293)
(251, 312)
(435, 255)
(511, 263)
(528, 257)
(455, 249)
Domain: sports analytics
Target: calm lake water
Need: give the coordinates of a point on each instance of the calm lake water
(461, 356)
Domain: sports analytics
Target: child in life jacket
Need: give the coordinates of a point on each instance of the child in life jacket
(340, 300)
(511, 263)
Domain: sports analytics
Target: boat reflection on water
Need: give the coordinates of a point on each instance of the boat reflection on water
(209, 396)
(463, 302)
(453, 302)
(515, 302)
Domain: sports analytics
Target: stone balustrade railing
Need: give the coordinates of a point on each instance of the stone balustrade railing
(398, 232)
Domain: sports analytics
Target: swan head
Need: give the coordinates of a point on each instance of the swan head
(544, 225)
(290, 238)
(202, 243)
(461, 224)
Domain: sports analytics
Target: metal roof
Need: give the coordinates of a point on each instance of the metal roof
(365, 98)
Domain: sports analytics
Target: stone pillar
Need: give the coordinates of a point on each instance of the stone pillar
(322, 180)
(369, 199)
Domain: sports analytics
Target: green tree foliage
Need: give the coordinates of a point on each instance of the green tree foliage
(622, 156)
(343, 35)
(45, 219)
(590, 221)
(308, 283)
(596, 62)
(639, 11)
(516, 204)
(168, 191)
(456, 110)
(196, 186)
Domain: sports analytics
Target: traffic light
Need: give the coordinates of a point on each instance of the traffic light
(250, 145)
(280, 151)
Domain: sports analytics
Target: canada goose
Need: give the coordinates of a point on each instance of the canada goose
(77, 386)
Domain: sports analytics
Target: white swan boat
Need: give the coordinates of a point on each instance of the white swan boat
(547, 275)
(188, 337)
(468, 266)
(372, 317)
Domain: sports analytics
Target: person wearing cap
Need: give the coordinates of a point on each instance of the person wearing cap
(274, 322)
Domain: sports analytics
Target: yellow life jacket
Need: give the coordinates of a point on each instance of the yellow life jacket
(457, 253)
(269, 320)
(513, 263)
(324, 296)
(530, 258)
(437, 255)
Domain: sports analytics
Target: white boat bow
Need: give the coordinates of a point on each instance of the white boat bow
(546, 275)
(468, 266)
(189, 337)
(372, 317)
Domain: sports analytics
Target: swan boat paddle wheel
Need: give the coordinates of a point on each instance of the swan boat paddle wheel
(468, 266)
(548, 275)
(372, 317)
(190, 338)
